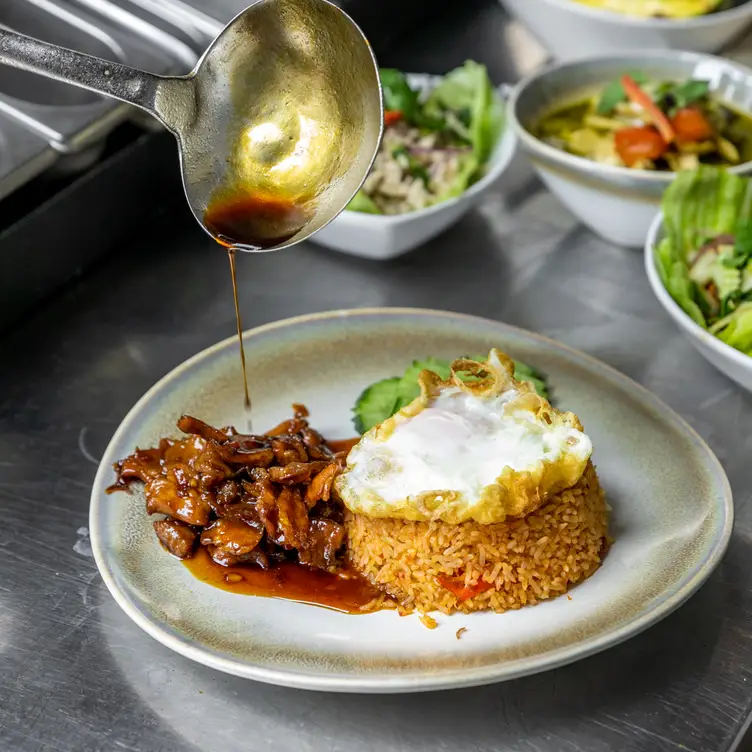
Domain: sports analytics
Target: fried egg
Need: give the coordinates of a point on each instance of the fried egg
(479, 446)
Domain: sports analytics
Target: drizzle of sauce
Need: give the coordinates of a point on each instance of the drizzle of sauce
(239, 324)
(262, 222)
(347, 591)
(257, 221)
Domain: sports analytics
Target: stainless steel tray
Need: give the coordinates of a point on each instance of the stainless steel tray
(23, 154)
(195, 23)
(163, 36)
(44, 122)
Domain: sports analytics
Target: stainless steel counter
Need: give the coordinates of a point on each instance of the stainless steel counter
(77, 676)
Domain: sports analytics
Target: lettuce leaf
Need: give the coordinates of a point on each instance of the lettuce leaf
(468, 94)
(383, 399)
(674, 274)
(736, 328)
(361, 202)
(698, 206)
(398, 94)
(702, 203)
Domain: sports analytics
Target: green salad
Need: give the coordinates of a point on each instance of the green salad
(705, 259)
(434, 145)
(384, 398)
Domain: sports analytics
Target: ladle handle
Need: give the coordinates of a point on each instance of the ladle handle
(145, 90)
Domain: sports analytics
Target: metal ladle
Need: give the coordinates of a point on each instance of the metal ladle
(277, 125)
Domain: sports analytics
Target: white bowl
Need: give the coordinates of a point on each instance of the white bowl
(618, 203)
(734, 363)
(570, 30)
(379, 236)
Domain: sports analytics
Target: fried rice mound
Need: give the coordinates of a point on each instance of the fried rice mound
(466, 567)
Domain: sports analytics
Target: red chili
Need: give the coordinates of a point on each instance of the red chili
(639, 97)
(456, 585)
(392, 116)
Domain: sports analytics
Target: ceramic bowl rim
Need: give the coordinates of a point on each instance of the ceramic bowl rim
(614, 18)
(417, 682)
(582, 165)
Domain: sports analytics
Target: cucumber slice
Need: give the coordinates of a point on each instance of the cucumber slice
(376, 403)
(384, 398)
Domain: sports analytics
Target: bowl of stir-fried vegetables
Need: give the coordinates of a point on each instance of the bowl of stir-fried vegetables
(698, 258)
(648, 124)
(607, 135)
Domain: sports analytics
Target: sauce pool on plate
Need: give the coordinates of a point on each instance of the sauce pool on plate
(342, 445)
(346, 591)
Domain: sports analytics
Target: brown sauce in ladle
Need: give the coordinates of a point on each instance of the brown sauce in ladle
(257, 221)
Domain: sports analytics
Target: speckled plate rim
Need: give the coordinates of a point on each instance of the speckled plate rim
(418, 681)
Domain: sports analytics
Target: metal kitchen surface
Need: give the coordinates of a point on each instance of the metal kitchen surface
(76, 675)
(41, 119)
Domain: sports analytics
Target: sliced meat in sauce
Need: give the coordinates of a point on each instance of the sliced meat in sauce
(165, 496)
(248, 499)
(292, 519)
(232, 536)
(325, 538)
(254, 457)
(265, 494)
(143, 465)
(292, 426)
(189, 424)
(289, 449)
(315, 445)
(320, 488)
(226, 494)
(177, 537)
(257, 556)
(295, 472)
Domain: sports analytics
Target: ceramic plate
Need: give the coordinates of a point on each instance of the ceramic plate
(671, 520)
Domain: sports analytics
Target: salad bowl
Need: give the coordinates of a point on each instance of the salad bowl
(666, 271)
(385, 236)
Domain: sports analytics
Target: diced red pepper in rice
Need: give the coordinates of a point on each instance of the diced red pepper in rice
(456, 586)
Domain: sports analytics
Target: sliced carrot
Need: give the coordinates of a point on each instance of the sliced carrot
(456, 585)
(392, 116)
(638, 96)
(691, 125)
(634, 144)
